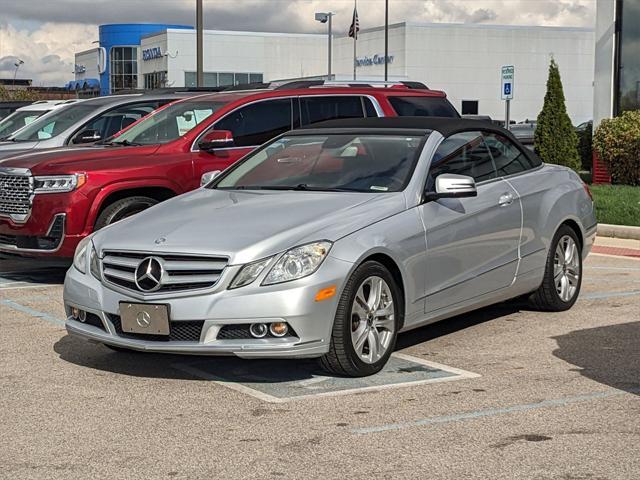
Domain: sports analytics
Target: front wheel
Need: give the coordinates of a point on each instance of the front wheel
(366, 323)
(563, 273)
(122, 209)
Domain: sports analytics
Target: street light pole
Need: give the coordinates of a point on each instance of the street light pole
(326, 18)
(386, 40)
(199, 41)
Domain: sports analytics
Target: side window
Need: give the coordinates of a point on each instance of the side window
(257, 123)
(111, 122)
(369, 108)
(318, 109)
(463, 154)
(422, 107)
(508, 158)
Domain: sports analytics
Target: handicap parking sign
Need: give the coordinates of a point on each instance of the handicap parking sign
(507, 74)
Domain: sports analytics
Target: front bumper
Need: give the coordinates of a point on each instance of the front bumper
(292, 302)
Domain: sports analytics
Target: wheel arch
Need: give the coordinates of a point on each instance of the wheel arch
(390, 264)
(119, 191)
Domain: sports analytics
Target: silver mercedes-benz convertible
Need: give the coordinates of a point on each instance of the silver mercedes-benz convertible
(329, 241)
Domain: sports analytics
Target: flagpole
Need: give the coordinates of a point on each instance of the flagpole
(355, 38)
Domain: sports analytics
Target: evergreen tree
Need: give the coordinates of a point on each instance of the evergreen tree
(555, 138)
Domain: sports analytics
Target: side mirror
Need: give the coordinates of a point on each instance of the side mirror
(450, 185)
(207, 177)
(215, 139)
(87, 136)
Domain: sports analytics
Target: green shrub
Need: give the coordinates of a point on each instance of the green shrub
(617, 143)
(555, 139)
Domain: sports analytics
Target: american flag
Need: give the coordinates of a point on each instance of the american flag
(355, 25)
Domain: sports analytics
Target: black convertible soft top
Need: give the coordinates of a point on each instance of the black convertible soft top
(446, 126)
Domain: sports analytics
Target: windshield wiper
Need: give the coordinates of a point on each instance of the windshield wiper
(300, 187)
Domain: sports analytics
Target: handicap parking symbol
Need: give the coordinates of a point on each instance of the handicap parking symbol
(507, 89)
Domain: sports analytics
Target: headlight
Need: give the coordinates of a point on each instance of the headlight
(249, 273)
(80, 257)
(298, 262)
(59, 183)
(94, 264)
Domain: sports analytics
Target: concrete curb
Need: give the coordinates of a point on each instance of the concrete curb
(618, 231)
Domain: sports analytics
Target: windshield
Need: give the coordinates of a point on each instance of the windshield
(335, 162)
(168, 123)
(53, 124)
(17, 120)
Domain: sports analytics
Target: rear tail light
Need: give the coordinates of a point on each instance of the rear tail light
(586, 189)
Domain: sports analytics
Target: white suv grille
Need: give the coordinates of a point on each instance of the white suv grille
(15, 196)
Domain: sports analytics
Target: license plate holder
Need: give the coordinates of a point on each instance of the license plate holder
(144, 318)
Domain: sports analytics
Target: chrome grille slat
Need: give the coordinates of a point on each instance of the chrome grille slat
(181, 272)
(15, 195)
(182, 279)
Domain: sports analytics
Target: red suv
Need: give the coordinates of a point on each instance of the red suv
(52, 199)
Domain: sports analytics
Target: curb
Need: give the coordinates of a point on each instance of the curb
(618, 231)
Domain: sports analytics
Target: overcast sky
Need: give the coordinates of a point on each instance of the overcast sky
(46, 33)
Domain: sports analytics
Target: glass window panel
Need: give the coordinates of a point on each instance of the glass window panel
(225, 79)
(189, 79)
(463, 154)
(255, 78)
(629, 83)
(241, 78)
(210, 79)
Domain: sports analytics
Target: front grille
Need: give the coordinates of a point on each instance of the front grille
(181, 272)
(15, 195)
(241, 332)
(185, 331)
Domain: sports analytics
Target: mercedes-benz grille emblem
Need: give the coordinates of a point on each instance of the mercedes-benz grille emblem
(143, 319)
(149, 274)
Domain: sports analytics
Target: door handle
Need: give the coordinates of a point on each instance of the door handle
(505, 199)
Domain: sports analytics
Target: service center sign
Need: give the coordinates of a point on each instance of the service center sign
(507, 82)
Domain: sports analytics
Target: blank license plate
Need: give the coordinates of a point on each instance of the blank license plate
(144, 318)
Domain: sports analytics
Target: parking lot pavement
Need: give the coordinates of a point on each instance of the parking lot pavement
(527, 395)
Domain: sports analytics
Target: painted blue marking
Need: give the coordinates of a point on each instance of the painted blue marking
(34, 313)
(600, 296)
(560, 402)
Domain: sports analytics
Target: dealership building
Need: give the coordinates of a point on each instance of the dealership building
(464, 60)
(617, 58)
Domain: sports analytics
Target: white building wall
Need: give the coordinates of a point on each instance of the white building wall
(89, 61)
(274, 55)
(604, 61)
(464, 60)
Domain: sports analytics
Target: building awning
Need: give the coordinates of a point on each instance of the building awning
(86, 84)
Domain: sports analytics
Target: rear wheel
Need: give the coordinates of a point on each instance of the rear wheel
(366, 324)
(563, 274)
(122, 209)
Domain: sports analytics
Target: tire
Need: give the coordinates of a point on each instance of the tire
(122, 209)
(353, 321)
(550, 296)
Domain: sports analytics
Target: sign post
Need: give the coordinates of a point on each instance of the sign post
(506, 91)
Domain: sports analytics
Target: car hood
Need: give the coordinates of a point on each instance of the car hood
(67, 159)
(247, 225)
(8, 149)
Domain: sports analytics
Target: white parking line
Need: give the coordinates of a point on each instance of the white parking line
(457, 374)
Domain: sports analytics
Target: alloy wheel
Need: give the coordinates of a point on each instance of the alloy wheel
(372, 319)
(566, 268)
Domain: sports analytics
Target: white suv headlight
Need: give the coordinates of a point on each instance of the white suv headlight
(298, 262)
(80, 257)
(58, 183)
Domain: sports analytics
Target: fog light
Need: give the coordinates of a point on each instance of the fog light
(78, 314)
(278, 329)
(258, 330)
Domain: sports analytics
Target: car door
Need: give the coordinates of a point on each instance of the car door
(110, 122)
(251, 126)
(472, 243)
(520, 168)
